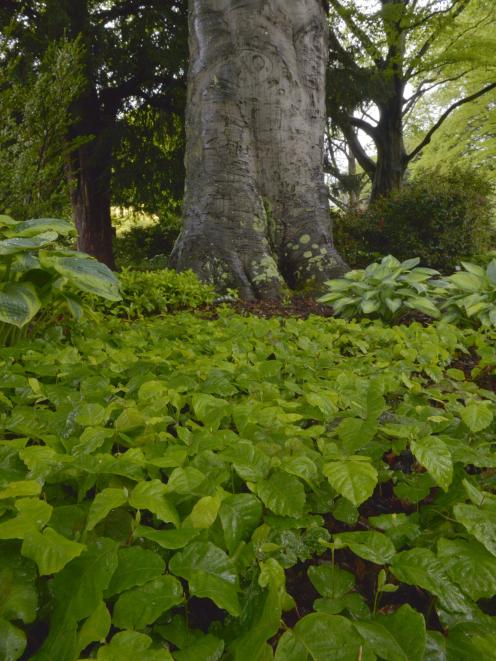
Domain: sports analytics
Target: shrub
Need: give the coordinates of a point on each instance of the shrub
(384, 290)
(441, 218)
(145, 242)
(152, 292)
(36, 278)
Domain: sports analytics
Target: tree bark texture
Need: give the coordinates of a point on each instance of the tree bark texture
(90, 180)
(392, 158)
(256, 213)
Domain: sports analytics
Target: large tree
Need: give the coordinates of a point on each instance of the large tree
(386, 55)
(256, 211)
(133, 57)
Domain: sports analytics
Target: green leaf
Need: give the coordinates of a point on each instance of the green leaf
(21, 488)
(239, 514)
(434, 455)
(204, 512)
(331, 581)
(18, 596)
(17, 245)
(424, 305)
(37, 226)
(207, 648)
(420, 567)
(150, 495)
(248, 461)
(470, 566)
(380, 641)
(95, 628)
(355, 433)
(136, 567)
(209, 573)
(355, 480)
(168, 539)
(33, 515)
(140, 607)
(470, 640)
(209, 409)
(326, 637)
(90, 414)
(103, 503)
(466, 281)
(49, 550)
(408, 628)
(283, 494)
(477, 416)
(268, 620)
(289, 648)
(19, 303)
(84, 273)
(369, 545)
(12, 641)
(480, 522)
(131, 646)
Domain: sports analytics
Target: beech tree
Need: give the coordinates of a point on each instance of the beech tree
(256, 210)
(386, 55)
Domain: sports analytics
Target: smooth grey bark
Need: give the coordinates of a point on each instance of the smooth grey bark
(256, 213)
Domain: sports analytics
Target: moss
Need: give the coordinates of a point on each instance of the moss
(304, 239)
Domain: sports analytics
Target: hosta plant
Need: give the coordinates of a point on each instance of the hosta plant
(470, 295)
(384, 290)
(36, 277)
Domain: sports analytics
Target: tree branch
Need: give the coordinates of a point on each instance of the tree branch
(368, 44)
(444, 117)
(364, 126)
(366, 163)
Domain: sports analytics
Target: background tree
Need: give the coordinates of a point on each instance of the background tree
(256, 212)
(391, 53)
(133, 57)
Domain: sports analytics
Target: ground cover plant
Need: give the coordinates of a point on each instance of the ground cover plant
(245, 488)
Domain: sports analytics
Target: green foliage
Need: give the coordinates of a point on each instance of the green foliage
(470, 295)
(384, 290)
(144, 242)
(36, 275)
(146, 293)
(163, 482)
(442, 218)
(33, 137)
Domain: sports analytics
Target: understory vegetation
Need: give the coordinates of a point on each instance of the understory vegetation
(244, 488)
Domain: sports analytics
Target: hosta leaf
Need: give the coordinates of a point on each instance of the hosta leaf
(408, 628)
(283, 494)
(103, 503)
(19, 303)
(95, 628)
(140, 607)
(326, 637)
(239, 514)
(420, 567)
(37, 226)
(424, 305)
(84, 273)
(150, 495)
(12, 641)
(49, 550)
(369, 545)
(470, 566)
(355, 480)
(480, 522)
(466, 281)
(136, 567)
(477, 416)
(434, 455)
(16, 245)
(209, 573)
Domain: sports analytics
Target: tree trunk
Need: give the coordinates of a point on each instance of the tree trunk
(90, 177)
(256, 213)
(391, 155)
